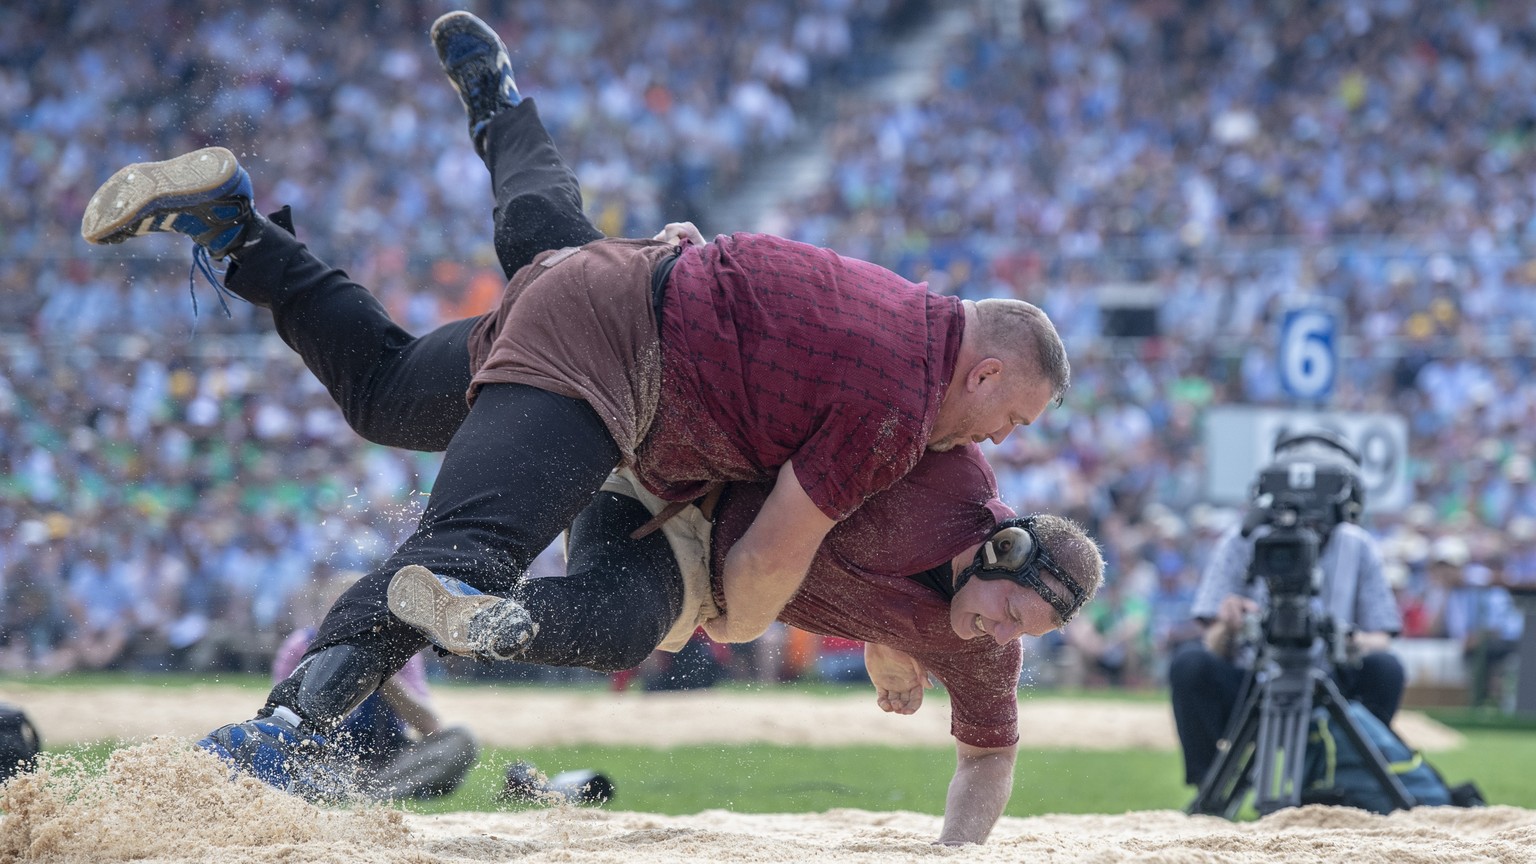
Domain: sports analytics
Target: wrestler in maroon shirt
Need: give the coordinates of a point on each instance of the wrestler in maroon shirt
(868, 583)
(766, 359)
(750, 359)
(888, 576)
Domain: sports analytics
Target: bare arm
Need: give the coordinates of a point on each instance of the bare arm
(765, 568)
(978, 793)
(898, 677)
(416, 713)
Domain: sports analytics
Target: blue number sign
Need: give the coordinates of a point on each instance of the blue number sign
(1309, 355)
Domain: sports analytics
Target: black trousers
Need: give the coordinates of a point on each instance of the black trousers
(521, 466)
(1205, 689)
(394, 388)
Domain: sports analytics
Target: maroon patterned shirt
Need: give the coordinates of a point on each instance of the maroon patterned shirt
(859, 586)
(774, 350)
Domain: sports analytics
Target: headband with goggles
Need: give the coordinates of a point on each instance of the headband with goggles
(1014, 552)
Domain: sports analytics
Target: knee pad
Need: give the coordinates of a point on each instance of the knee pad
(329, 684)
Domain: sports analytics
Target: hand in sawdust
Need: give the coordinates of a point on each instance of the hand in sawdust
(898, 677)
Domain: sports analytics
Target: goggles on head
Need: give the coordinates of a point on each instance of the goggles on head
(1014, 552)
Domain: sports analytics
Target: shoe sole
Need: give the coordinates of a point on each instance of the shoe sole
(463, 22)
(420, 599)
(115, 211)
(460, 22)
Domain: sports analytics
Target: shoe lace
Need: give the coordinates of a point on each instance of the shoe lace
(202, 263)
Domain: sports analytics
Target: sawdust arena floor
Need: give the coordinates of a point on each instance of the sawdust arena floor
(160, 801)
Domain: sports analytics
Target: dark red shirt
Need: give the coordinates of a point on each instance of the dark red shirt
(859, 586)
(774, 351)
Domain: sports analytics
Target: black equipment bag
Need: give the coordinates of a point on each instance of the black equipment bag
(18, 742)
(1337, 771)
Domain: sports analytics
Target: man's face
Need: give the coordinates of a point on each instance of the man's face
(1002, 610)
(989, 409)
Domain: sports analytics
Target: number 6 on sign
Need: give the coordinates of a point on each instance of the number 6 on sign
(1308, 353)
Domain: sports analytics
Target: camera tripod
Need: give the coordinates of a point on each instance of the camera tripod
(1267, 738)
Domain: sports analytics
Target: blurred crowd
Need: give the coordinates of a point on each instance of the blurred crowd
(171, 479)
(171, 475)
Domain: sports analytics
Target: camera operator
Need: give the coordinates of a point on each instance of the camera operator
(1207, 678)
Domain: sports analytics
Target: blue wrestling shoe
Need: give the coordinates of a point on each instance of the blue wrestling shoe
(204, 194)
(457, 618)
(274, 751)
(477, 64)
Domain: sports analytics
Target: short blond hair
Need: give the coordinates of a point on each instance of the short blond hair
(1017, 330)
(1074, 551)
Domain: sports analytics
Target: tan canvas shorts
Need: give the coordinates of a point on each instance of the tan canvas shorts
(688, 533)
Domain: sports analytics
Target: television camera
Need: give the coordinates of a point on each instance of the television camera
(1298, 500)
(1296, 506)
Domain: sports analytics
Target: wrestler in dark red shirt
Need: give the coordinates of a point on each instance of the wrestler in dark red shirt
(867, 583)
(824, 378)
(775, 351)
(784, 361)
(893, 576)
